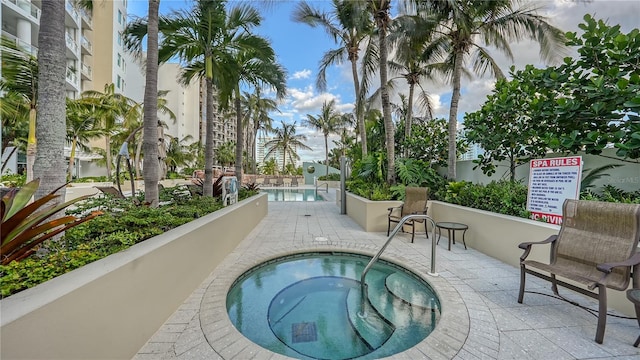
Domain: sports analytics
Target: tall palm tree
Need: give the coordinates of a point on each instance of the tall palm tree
(380, 9)
(110, 108)
(20, 79)
(351, 27)
(257, 110)
(465, 27)
(178, 153)
(254, 64)
(49, 164)
(287, 142)
(151, 169)
(329, 121)
(81, 128)
(410, 36)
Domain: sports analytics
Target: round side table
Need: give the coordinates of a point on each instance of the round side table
(451, 228)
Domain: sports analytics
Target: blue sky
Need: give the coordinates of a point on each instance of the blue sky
(300, 48)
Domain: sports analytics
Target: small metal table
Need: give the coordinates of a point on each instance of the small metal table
(451, 228)
(634, 296)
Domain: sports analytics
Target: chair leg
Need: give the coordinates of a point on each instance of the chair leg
(522, 278)
(602, 313)
(425, 229)
(413, 230)
(389, 228)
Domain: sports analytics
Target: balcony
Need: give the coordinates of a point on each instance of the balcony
(87, 47)
(21, 44)
(72, 12)
(87, 73)
(87, 19)
(72, 46)
(25, 8)
(72, 79)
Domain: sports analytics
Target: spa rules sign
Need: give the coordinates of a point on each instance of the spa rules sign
(551, 181)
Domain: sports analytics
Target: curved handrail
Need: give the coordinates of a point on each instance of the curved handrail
(318, 185)
(363, 285)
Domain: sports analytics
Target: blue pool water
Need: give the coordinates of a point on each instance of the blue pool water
(306, 306)
(292, 195)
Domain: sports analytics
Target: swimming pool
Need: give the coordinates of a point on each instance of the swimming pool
(306, 306)
(292, 195)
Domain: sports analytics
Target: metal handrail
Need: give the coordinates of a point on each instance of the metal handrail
(318, 185)
(363, 286)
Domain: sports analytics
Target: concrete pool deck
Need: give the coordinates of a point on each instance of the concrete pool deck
(478, 293)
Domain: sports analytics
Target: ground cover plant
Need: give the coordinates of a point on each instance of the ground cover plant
(122, 225)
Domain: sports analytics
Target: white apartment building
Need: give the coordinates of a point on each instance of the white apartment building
(262, 150)
(184, 102)
(474, 149)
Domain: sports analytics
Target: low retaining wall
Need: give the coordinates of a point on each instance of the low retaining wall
(498, 236)
(493, 234)
(111, 307)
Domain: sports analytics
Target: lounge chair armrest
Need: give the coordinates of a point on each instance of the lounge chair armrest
(526, 246)
(391, 209)
(608, 267)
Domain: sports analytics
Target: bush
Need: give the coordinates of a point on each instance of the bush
(13, 180)
(503, 197)
(330, 177)
(122, 225)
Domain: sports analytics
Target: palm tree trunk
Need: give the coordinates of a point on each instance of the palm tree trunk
(31, 143)
(72, 156)
(453, 117)
(409, 119)
(107, 149)
(326, 153)
(150, 123)
(386, 107)
(138, 156)
(50, 164)
(208, 147)
(239, 141)
(359, 108)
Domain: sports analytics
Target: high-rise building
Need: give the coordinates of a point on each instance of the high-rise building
(262, 150)
(183, 101)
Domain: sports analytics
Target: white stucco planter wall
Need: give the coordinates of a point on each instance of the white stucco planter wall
(493, 234)
(108, 309)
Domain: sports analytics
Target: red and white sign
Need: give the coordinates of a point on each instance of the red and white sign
(551, 181)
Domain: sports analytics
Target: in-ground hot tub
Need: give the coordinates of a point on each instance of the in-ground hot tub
(309, 306)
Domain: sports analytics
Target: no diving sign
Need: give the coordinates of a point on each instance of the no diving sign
(551, 181)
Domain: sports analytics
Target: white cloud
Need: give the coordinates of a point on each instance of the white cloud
(303, 74)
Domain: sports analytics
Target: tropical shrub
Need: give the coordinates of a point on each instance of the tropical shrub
(504, 197)
(330, 177)
(26, 225)
(122, 225)
(13, 180)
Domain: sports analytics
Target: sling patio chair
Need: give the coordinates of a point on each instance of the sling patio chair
(111, 191)
(415, 202)
(595, 248)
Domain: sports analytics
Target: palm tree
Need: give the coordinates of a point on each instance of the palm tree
(464, 26)
(49, 164)
(350, 25)
(286, 142)
(151, 169)
(225, 153)
(411, 35)
(81, 128)
(20, 82)
(253, 63)
(178, 153)
(380, 10)
(110, 108)
(329, 122)
(257, 110)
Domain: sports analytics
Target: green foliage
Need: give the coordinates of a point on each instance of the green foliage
(428, 141)
(330, 177)
(611, 193)
(26, 225)
(589, 176)
(13, 180)
(122, 225)
(91, 179)
(503, 197)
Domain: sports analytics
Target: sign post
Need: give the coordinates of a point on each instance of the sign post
(551, 181)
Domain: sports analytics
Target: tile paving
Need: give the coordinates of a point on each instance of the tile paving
(481, 318)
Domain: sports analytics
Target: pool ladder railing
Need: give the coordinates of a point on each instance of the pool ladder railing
(363, 286)
(323, 184)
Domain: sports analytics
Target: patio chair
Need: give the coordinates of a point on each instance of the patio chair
(279, 181)
(294, 181)
(415, 202)
(595, 248)
(266, 182)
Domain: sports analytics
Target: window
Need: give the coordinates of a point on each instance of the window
(120, 17)
(120, 38)
(118, 82)
(119, 60)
